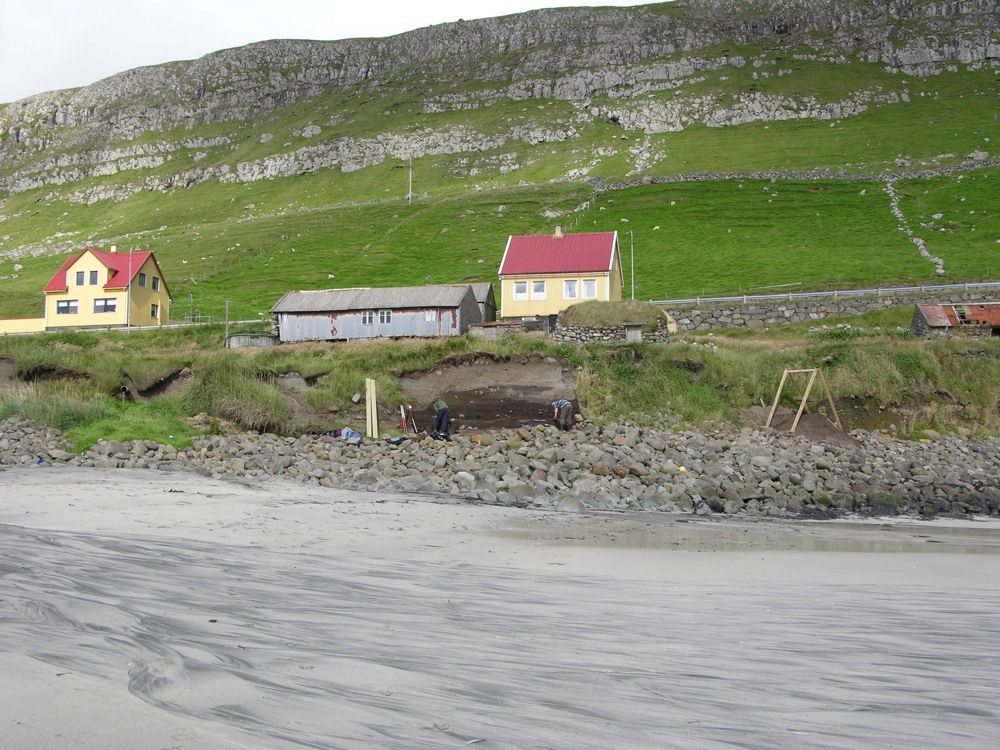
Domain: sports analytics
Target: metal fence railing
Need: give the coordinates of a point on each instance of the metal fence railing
(837, 294)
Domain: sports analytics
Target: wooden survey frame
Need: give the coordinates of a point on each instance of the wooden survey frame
(813, 373)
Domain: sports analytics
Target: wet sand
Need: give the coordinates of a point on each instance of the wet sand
(153, 610)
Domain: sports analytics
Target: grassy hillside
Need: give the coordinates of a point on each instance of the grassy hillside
(712, 237)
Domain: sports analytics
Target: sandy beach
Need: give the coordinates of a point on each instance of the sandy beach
(152, 610)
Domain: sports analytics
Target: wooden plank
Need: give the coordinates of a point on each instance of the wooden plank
(805, 398)
(777, 397)
(829, 399)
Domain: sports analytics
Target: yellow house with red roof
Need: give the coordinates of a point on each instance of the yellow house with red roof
(98, 289)
(543, 274)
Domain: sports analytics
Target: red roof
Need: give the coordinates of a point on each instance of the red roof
(587, 252)
(118, 263)
(948, 315)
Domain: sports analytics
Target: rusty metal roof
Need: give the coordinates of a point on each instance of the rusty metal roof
(377, 298)
(953, 315)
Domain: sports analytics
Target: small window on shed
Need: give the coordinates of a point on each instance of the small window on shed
(430, 316)
(368, 317)
(384, 317)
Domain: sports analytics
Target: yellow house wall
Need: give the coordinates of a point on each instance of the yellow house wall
(616, 281)
(554, 302)
(22, 325)
(86, 293)
(144, 297)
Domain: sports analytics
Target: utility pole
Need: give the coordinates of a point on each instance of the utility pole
(409, 189)
(631, 245)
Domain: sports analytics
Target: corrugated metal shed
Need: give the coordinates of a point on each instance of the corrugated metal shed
(385, 298)
(951, 315)
(483, 291)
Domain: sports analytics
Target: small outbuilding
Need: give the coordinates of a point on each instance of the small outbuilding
(388, 312)
(486, 299)
(967, 319)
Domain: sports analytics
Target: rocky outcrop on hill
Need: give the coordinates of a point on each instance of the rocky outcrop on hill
(631, 67)
(620, 467)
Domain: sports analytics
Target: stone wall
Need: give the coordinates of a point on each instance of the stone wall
(760, 313)
(608, 334)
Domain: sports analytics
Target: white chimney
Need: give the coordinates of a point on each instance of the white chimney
(558, 235)
(114, 248)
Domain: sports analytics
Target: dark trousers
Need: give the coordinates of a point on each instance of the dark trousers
(565, 419)
(441, 421)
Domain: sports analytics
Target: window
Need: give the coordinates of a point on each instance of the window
(105, 305)
(520, 290)
(590, 288)
(142, 279)
(537, 290)
(80, 278)
(67, 307)
(156, 283)
(430, 316)
(93, 278)
(570, 289)
(367, 317)
(154, 311)
(384, 316)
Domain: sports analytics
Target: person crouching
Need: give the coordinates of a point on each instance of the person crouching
(562, 414)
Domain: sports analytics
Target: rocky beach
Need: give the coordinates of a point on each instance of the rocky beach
(736, 471)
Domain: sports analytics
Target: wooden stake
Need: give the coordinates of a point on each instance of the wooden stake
(371, 409)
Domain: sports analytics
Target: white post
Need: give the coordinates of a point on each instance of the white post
(409, 189)
(631, 243)
(371, 409)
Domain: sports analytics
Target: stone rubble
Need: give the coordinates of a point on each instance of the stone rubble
(756, 472)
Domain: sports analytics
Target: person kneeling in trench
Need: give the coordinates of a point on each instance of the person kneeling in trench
(440, 419)
(562, 413)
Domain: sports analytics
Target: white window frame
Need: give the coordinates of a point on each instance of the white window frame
(67, 307)
(522, 294)
(81, 278)
(154, 311)
(93, 278)
(142, 279)
(571, 289)
(109, 305)
(367, 317)
(156, 283)
(384, 317)
(535, 293)
(593, 286)
(430, 316)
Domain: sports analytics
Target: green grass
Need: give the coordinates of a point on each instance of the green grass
(598, 314)
(714, 237)
(161, 421)
(61, 405)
